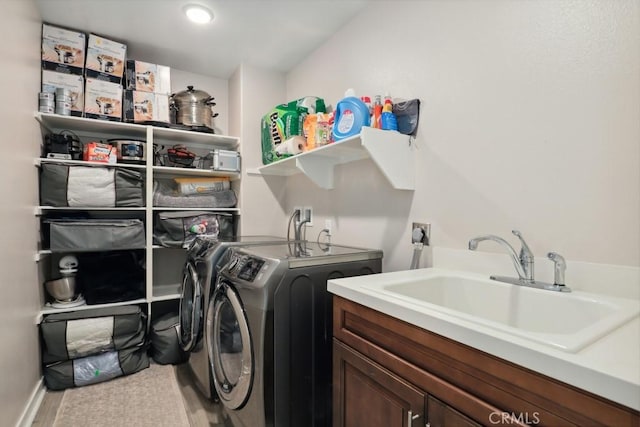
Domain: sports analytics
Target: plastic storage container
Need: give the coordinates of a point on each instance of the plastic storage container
(350, 115)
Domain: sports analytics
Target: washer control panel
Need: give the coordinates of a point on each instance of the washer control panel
(244, 267)
(249, 268)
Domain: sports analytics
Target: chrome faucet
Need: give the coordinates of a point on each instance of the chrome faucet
(523, 262)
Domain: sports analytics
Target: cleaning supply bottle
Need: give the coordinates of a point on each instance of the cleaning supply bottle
(388, 120)
(377, 113)
(310, 125)
(350, 115)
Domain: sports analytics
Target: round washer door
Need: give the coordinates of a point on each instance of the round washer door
(229, 346)
(190, 308)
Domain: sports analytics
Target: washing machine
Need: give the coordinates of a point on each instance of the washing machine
(269, 330)
(198, 280)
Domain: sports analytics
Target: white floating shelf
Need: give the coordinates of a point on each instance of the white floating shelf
(392, 152)
(230, 210)
(189, 137)
(57, 123)
(42, 254)
(39, 161)
(168, 170)
(40, 209)
(51, 310)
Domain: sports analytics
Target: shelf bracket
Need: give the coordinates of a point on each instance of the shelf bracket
(394, 159)
(318, 169)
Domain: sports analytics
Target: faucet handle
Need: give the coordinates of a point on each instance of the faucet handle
(559, 266)
(525, 252)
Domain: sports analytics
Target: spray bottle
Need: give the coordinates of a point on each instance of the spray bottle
(388, 120)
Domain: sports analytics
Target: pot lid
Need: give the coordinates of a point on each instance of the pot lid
(191, 95)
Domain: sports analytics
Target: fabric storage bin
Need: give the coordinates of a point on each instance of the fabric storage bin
(83, 333)
(84, 186)
(165, 348)
(179, 229)
(166, 195)
(95, 234)
(108, 277)
(95, 369)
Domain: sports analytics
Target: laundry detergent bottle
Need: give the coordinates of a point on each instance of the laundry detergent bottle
(350, 115)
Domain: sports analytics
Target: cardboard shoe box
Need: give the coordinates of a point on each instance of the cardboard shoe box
(143, 107)
(103, 100)
(62, 50)
(52, 80)
(140, 76)
(105, 59)
(146, 77)
(163, 83)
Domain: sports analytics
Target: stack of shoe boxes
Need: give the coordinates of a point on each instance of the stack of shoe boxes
(104, 71)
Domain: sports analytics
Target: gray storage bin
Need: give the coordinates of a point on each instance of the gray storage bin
(84, 186)
(179, 229)
(95, 369)
(88, 332)
(165, 348)
(167, 195)
(89, 235)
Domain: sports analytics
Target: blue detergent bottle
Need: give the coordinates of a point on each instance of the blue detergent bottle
(350, 115)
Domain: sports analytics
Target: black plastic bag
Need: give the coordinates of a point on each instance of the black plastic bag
(407, 113)
(165, 346)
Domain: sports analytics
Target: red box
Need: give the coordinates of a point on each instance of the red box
(99, 152)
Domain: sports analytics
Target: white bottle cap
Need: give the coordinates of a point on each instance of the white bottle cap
(349, 92)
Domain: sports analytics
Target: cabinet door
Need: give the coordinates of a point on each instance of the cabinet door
(366, 394)
(440, 414)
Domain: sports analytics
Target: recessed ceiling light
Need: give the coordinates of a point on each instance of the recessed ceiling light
(198, 14)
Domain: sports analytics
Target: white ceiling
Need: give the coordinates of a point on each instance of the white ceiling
(273, 34)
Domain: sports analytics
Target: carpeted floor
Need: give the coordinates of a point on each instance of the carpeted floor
(150, 398)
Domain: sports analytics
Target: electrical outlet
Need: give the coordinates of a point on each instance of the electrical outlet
(327, 226)
(298, 209)
(426, 233)
(307, 213)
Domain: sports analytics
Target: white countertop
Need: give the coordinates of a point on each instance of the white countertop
(609, 367)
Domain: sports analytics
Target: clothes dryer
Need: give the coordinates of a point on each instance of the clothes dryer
(269, 331)
(198, 280)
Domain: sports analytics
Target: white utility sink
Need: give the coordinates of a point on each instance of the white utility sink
(566, 321)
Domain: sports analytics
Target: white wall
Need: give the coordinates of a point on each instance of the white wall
(218, 88)
(20, 134)
(253, 93)
(530, 120)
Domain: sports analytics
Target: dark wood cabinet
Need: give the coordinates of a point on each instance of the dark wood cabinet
(386, 371)
(441, 414)
(372, 395)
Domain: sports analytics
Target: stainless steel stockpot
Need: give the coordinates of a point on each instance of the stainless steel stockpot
(192, 107)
